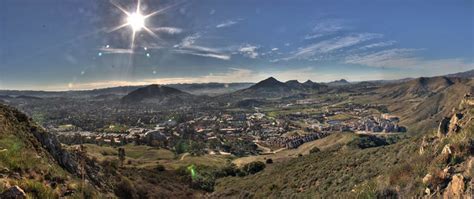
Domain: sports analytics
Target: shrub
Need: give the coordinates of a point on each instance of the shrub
(269, 161)
(364, 142)
(253, 167)
(386, 193)
(125, 189)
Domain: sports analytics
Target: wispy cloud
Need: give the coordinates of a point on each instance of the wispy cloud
(227, 23)
(397, 57)
(406, 59)
(378, 45)
(330, 45)
(188, 46)
(168, 30)
(249, 51)
(329, 26)
(105, 50)
(313, 36)
(204, 54)
(324, 28)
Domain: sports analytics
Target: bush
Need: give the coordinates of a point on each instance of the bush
(125, 189)
(386, 193)
(364, 142)
(269, 161)
(253, 167)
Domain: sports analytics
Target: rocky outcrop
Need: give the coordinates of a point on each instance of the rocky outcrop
(454, 126)
(13, 192)
(53, 146)
(443, 127)
(449, 125)
(456, 187)
(456, 139)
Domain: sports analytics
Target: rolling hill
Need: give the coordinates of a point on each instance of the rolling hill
(424, 101)
(154, 93)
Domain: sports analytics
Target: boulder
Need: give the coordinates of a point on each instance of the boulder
(446, 149)
(428, 177)
(13, 192)
(454, 123)
(455, 188)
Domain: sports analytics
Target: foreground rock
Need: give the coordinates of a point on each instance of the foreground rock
(14, 192)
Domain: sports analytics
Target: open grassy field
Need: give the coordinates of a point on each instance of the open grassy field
(139, 156)
(286, 154)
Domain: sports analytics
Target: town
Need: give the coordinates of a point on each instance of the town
(240, 133)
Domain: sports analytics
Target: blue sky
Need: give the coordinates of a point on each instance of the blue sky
(72, 44)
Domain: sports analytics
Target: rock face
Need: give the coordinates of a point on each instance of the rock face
(443, 127)
(454, 123)
(455, 188)
(14, 192)
(449, 126)
(52, 145)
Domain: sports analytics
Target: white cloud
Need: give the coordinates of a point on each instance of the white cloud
(189, 40)
(274, 49)
(168, 30)
(330, 45)
(227, 24)
(116, 51)
(249, 51)
(204, 54)
(405, 59)
(313, 36)
(379, 44)
(324, 28)
(397, 57)
(188, 46)
(328, 26)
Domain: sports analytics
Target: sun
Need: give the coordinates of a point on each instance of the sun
(136, 21)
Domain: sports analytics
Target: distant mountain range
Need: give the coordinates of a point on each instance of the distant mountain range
(269, 87)
(466, 74)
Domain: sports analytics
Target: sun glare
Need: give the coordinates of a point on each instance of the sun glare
(136, 21)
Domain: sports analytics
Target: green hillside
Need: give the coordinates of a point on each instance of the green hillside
(364, 169)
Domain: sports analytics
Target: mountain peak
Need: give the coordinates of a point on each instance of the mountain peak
(308, 82)
(342, 81)
(269, 82)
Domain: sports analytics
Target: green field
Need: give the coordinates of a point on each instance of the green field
(140, 156)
